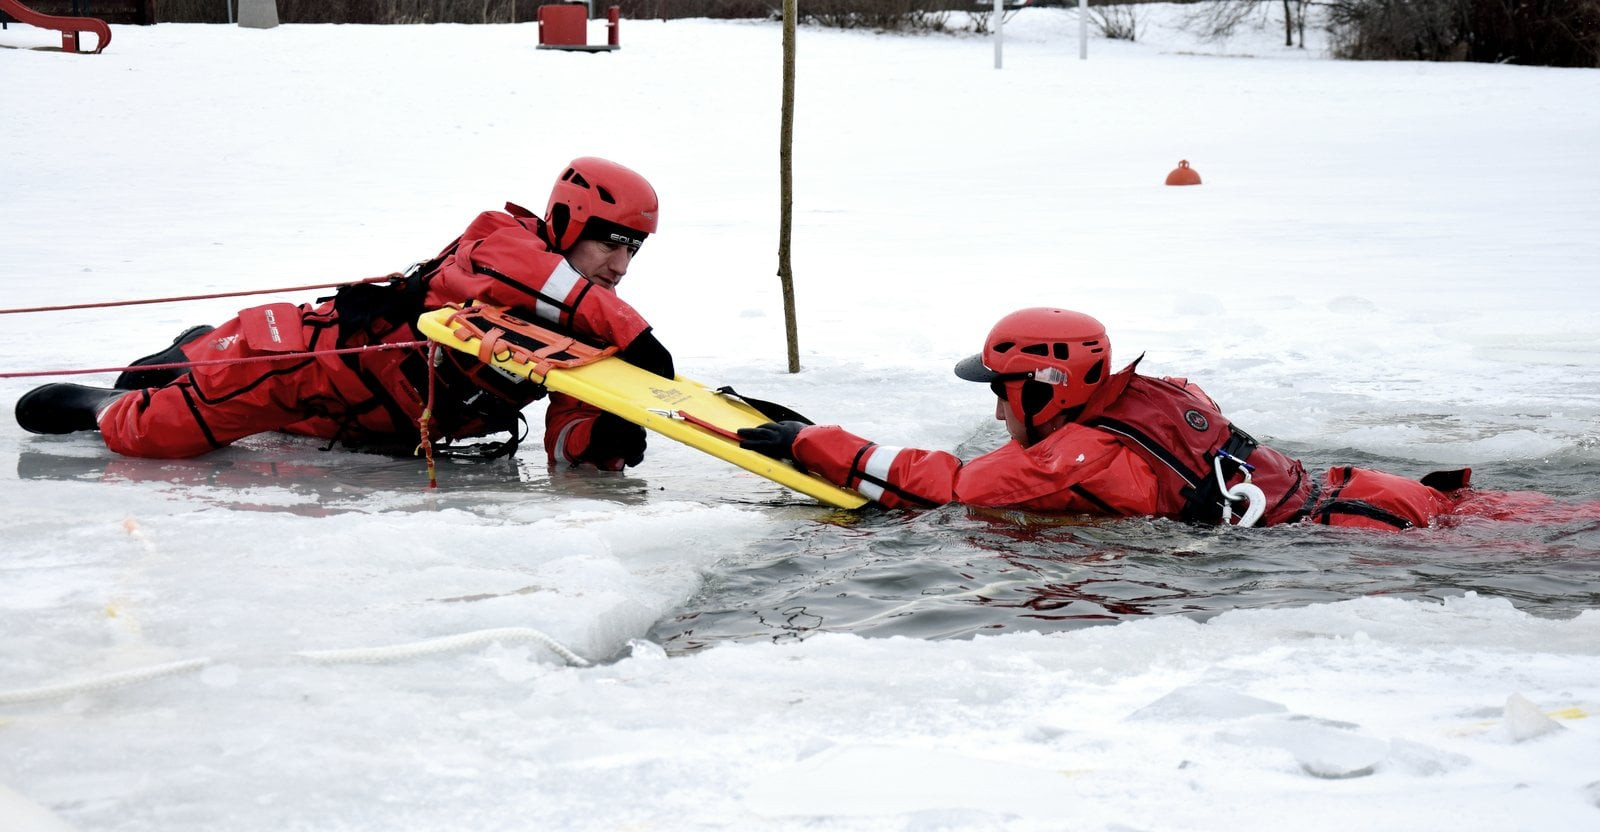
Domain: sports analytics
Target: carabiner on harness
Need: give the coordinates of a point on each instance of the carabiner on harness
(1255, 499)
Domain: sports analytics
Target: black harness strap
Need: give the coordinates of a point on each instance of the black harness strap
(189, 394)
(1325, 510)
(398, 303)
(361, 309)
(518, 430)
(1207, 498)
(1143, 440)
(1200, 492)
(1104, 507)
(1308, 506)
(1203, 494)
(1292, 490)
(380, 396)
(1360, 508)
(367, 311)
(254, 383)
(559, 303)
(772, 410)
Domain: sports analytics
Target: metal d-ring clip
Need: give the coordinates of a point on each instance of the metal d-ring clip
(1255, 499)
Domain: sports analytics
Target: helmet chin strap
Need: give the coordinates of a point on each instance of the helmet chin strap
(1014, 405)
(1036, 432)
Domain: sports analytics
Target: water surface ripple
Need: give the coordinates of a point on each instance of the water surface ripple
(956, 572)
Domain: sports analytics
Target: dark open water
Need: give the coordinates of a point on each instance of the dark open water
(955, 572)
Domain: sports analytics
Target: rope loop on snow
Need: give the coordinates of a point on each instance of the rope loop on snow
(357, 655)
(444, 644)
(106, 682)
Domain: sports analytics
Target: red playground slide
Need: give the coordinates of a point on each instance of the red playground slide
(70, 27)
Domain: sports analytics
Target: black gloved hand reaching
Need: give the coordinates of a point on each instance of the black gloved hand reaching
(613, 437)
(775, 439)
(647, 353)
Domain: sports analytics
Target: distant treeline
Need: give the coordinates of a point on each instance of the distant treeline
(1534, 32)
(452, 11)
(824, 12)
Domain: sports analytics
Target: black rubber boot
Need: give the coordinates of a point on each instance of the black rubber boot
(140, 379)
(63, 408)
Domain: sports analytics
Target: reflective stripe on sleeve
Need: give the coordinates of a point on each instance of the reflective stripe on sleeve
(561, 443)
(559, 284)
(875, 471)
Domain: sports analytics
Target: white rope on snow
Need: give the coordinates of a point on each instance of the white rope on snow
(355, 655)
(445, 644)
(106, 682)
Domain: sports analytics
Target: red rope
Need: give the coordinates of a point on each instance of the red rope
(282, 356)
(196, 297)
(427, 416)
(433, 349)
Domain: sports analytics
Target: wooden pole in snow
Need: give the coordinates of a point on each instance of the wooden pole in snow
(786, 187)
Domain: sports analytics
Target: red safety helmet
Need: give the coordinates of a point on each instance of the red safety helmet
(597, 199)
(1042, 362)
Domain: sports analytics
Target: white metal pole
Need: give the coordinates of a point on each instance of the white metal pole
(999, 22)
(228, 4)
(1083, 30)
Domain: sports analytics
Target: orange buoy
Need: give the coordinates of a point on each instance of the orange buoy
(1183, 175)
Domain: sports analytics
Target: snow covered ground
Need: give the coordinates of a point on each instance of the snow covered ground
(1393, 258)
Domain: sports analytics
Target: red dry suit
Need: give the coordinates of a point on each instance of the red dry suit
(1142, 446)
(377, 397)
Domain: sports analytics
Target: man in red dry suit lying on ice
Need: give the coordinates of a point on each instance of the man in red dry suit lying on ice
(1088, 440)
(561, 270)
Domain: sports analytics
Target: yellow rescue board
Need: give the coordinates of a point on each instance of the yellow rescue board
(651, 401)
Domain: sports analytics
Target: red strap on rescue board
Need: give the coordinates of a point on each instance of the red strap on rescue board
(494, 344)
(505, 337)
(701, 423)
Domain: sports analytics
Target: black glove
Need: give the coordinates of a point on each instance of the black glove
(775, 439)
(647, 353)
(613, 437)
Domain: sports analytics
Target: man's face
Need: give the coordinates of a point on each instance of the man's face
(1018, 431)
(603, 262)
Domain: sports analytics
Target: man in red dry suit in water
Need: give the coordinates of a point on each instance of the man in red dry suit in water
(560, 271)
(1087, 440)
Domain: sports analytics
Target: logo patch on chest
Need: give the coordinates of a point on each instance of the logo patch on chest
(1196, 420)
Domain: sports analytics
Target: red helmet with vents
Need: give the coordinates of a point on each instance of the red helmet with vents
(597, 199)
(1042, 362)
